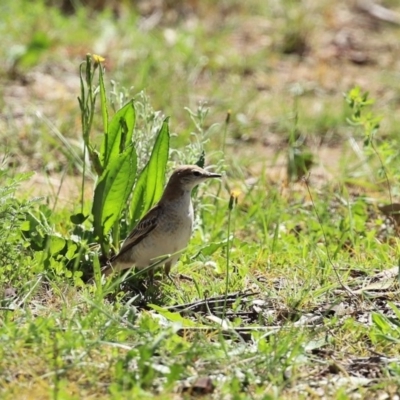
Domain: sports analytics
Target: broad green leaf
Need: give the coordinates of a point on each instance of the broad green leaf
(150, 184)
(112, 191)
(71, 250)
(211, 248)
(25, 226)
(119, 134)
(56, 244)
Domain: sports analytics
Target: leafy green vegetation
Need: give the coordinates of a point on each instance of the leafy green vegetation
(289, 285)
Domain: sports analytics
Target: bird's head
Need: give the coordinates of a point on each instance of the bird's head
(186, 177)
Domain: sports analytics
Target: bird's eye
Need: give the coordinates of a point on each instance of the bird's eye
(196, 173)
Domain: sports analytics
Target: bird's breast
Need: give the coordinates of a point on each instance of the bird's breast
(178, 221)
(170, 236)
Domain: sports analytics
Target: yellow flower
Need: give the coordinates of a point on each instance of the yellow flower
(233, 199)
(98, 59)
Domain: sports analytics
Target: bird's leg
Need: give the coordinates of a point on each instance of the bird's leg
(167, 270)
(151, 276)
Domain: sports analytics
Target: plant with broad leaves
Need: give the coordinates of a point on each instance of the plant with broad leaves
(122, 193)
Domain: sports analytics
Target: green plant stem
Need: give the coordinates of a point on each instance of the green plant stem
(228, 248)
(83, 179)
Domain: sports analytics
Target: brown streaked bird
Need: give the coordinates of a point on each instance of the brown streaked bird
(166, 229)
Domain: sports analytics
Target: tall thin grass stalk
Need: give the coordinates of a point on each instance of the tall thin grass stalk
(232, 202)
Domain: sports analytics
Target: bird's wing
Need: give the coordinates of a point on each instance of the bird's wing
(141, 230)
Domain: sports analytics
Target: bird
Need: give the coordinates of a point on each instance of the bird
(164, 232)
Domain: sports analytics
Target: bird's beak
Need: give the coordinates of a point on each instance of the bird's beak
(213, 175)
